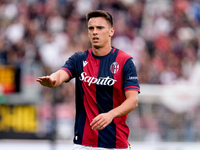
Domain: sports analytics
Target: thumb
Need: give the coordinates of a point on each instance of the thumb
(54, 81)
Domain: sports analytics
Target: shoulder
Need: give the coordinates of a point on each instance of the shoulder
(120, 53)
(79, 55)
(122, 56)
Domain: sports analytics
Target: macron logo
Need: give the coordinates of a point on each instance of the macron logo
(84, 63)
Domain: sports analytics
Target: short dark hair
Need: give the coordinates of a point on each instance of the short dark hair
(100, 13)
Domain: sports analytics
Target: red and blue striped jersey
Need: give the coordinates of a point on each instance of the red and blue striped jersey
(100, 86)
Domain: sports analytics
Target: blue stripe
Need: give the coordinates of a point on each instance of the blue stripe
(80, 118)
(104, 96)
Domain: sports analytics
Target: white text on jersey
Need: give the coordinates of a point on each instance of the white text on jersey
(99, 81)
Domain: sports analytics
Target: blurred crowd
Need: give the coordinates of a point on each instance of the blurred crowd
(162, 36)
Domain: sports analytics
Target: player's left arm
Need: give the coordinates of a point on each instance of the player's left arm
(127, 106)
(104, 119)
(131, 88)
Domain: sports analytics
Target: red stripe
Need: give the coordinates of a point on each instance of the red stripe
(67, 71)
(114, 50)
(122, 130)
(132, 89)
(90, 137)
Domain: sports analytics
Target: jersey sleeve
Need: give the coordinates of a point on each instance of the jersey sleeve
(130, 76)
(70, 66)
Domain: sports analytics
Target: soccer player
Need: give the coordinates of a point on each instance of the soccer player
(106, 88)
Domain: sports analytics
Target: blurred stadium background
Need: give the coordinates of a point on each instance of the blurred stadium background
(37, 37)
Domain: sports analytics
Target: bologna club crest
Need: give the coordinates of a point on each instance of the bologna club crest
(114, 67)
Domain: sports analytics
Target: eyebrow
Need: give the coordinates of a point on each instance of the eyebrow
(90, 27)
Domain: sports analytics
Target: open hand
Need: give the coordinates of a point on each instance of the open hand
(46, 81)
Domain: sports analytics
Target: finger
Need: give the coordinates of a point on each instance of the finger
(102, 127)
(38, 80)
(44, 77)
(54, 81)
(41, 78)
(99, 122)
(97, 118)
(98, 125)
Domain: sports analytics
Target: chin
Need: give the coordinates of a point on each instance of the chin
(97, 46)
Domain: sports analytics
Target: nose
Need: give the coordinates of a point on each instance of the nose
(95, 31)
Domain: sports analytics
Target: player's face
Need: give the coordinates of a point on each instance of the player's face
(100, 32)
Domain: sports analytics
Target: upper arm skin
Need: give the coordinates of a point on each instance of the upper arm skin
(132, 97)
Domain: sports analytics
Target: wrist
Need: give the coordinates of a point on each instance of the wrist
(113, 113)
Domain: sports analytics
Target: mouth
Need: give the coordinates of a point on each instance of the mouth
(95, 39)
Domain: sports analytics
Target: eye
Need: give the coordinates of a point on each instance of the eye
(100, 27)
(90, 28)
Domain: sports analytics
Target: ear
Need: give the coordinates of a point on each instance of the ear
(112, 31)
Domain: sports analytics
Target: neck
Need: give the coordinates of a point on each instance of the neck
(101, 51)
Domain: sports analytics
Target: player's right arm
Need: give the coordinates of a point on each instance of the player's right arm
(54, 80)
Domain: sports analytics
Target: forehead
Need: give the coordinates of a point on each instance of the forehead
(98, 21)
